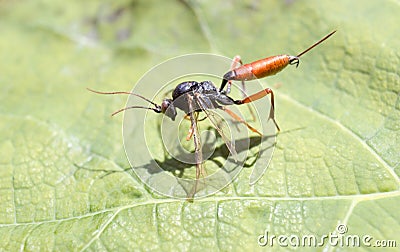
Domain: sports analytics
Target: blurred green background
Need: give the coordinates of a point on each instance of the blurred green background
(336, 160)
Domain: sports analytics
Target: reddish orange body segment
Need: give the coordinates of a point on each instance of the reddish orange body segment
(264, 67)
(261, 68)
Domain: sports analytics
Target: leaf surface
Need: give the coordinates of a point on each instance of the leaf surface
(336, 160)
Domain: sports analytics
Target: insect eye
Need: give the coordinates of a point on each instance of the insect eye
(169, 109)
(165, 105)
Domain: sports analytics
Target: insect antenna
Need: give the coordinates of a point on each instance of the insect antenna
(131, 107)
(122, 92)
(157, 108)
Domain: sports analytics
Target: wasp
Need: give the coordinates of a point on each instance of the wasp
(193, 97)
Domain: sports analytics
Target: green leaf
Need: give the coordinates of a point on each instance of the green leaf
(65, 181)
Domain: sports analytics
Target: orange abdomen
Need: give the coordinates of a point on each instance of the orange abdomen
(262, 68)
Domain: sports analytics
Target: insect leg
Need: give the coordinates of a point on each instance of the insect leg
(197, 148)
(236, 62)
(239, 119)
(230, 143)
(258, 96)
(190, 133)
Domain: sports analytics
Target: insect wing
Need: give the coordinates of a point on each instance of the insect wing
(197, 147)
(220, 126)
